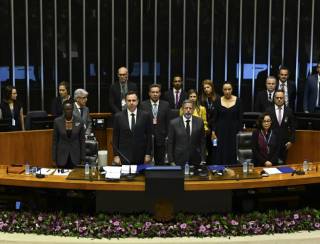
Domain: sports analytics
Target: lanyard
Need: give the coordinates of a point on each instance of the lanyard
(267, 141)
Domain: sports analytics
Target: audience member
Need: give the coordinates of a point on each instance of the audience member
(288, 86)
(68, 141)
(186, 138)
(265, 145)
(57, 102)
(159, 111)
(132, 133)
(208, 100)
(11, 109)
(119, 89)
(264, 99)
(226, 124)
(283, 123)
(81, 110)
(311, 99)
(176, 95)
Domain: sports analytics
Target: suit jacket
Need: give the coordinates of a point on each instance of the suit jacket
(133, 145)
(160, 130)
(310, 93)
(292, 92)
(86, 118)
(115, 95)
(258, 158)
(180, 148)
(286, 131)
(63, 146)
(262, 101)
(169, 96)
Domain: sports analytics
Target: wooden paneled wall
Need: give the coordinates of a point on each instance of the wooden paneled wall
(35, 146)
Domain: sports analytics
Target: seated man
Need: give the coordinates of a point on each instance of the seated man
(81, 110)
(186, 138)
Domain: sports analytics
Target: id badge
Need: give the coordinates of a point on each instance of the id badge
(155, 121)
(13, 122)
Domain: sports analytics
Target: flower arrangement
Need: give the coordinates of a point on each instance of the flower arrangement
(144, 226)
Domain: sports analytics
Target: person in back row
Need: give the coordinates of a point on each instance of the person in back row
(176, 95)
(57, 102)
(81, 110)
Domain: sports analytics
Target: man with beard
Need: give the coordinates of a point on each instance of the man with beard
(176, 95)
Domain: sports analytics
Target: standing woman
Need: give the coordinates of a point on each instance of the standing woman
(68, 141)
(198, 111)
(57, 102)
(265, 146)
(208, 100)
(226, 124)
(11, 109)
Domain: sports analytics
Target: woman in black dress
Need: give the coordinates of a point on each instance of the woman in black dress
(208, 100)
(11, 109)
(265, 146)
(226, 124)
(57, 102)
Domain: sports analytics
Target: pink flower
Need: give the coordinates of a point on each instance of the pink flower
(202, 229)
(183, 226)
(234, 222)
(296, 216)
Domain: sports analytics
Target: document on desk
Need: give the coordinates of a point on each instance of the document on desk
(125, 169)
(112, 172)
(62, 172)
(45, 171)
(272, 171)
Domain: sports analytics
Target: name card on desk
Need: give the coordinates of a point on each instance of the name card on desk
(112, 172)
(272, 171)
(126, 169)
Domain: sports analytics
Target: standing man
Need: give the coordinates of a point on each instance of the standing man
(264, 98)
(186, 138)
(132, 133)
(283, 123)
(159, 111)
(311, 99)
(118, 90)
(176, 95)
(81, 110)
(288, 86)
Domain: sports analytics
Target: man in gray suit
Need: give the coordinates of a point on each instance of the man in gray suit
(186, 138)
(311, 99)
(81, 110)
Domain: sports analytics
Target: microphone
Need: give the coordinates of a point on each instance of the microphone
(129, 176)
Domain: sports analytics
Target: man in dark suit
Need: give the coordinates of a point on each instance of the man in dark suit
(118, 90)
(288, 86)
(68, 141)
(159, 111)
(311, 99)
(186, 138)
(264, 99)
(283, 123)
(176, 95)
(132, 133)
(81, 110)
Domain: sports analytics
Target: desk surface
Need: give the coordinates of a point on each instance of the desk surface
(60, 182)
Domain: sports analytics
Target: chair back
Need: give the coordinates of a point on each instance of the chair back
(244, 146)
(92, 147)
(34, 114)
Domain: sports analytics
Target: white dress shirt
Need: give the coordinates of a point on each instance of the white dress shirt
(185, 123)
(129, 117)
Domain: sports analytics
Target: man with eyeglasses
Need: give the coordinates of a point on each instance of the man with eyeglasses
(118, 91)
(311, 99)
(283, 123)
(81, 110)
(176, 95)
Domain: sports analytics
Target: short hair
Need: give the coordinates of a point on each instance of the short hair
(271, 77)
(187, 101)
(261, 118)
(66, 85)
(80, 93)
(155, 85)
(176, 75)
(132, 93)
(8, 92)
(279, 90)
(283, 68)
(67, 102)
